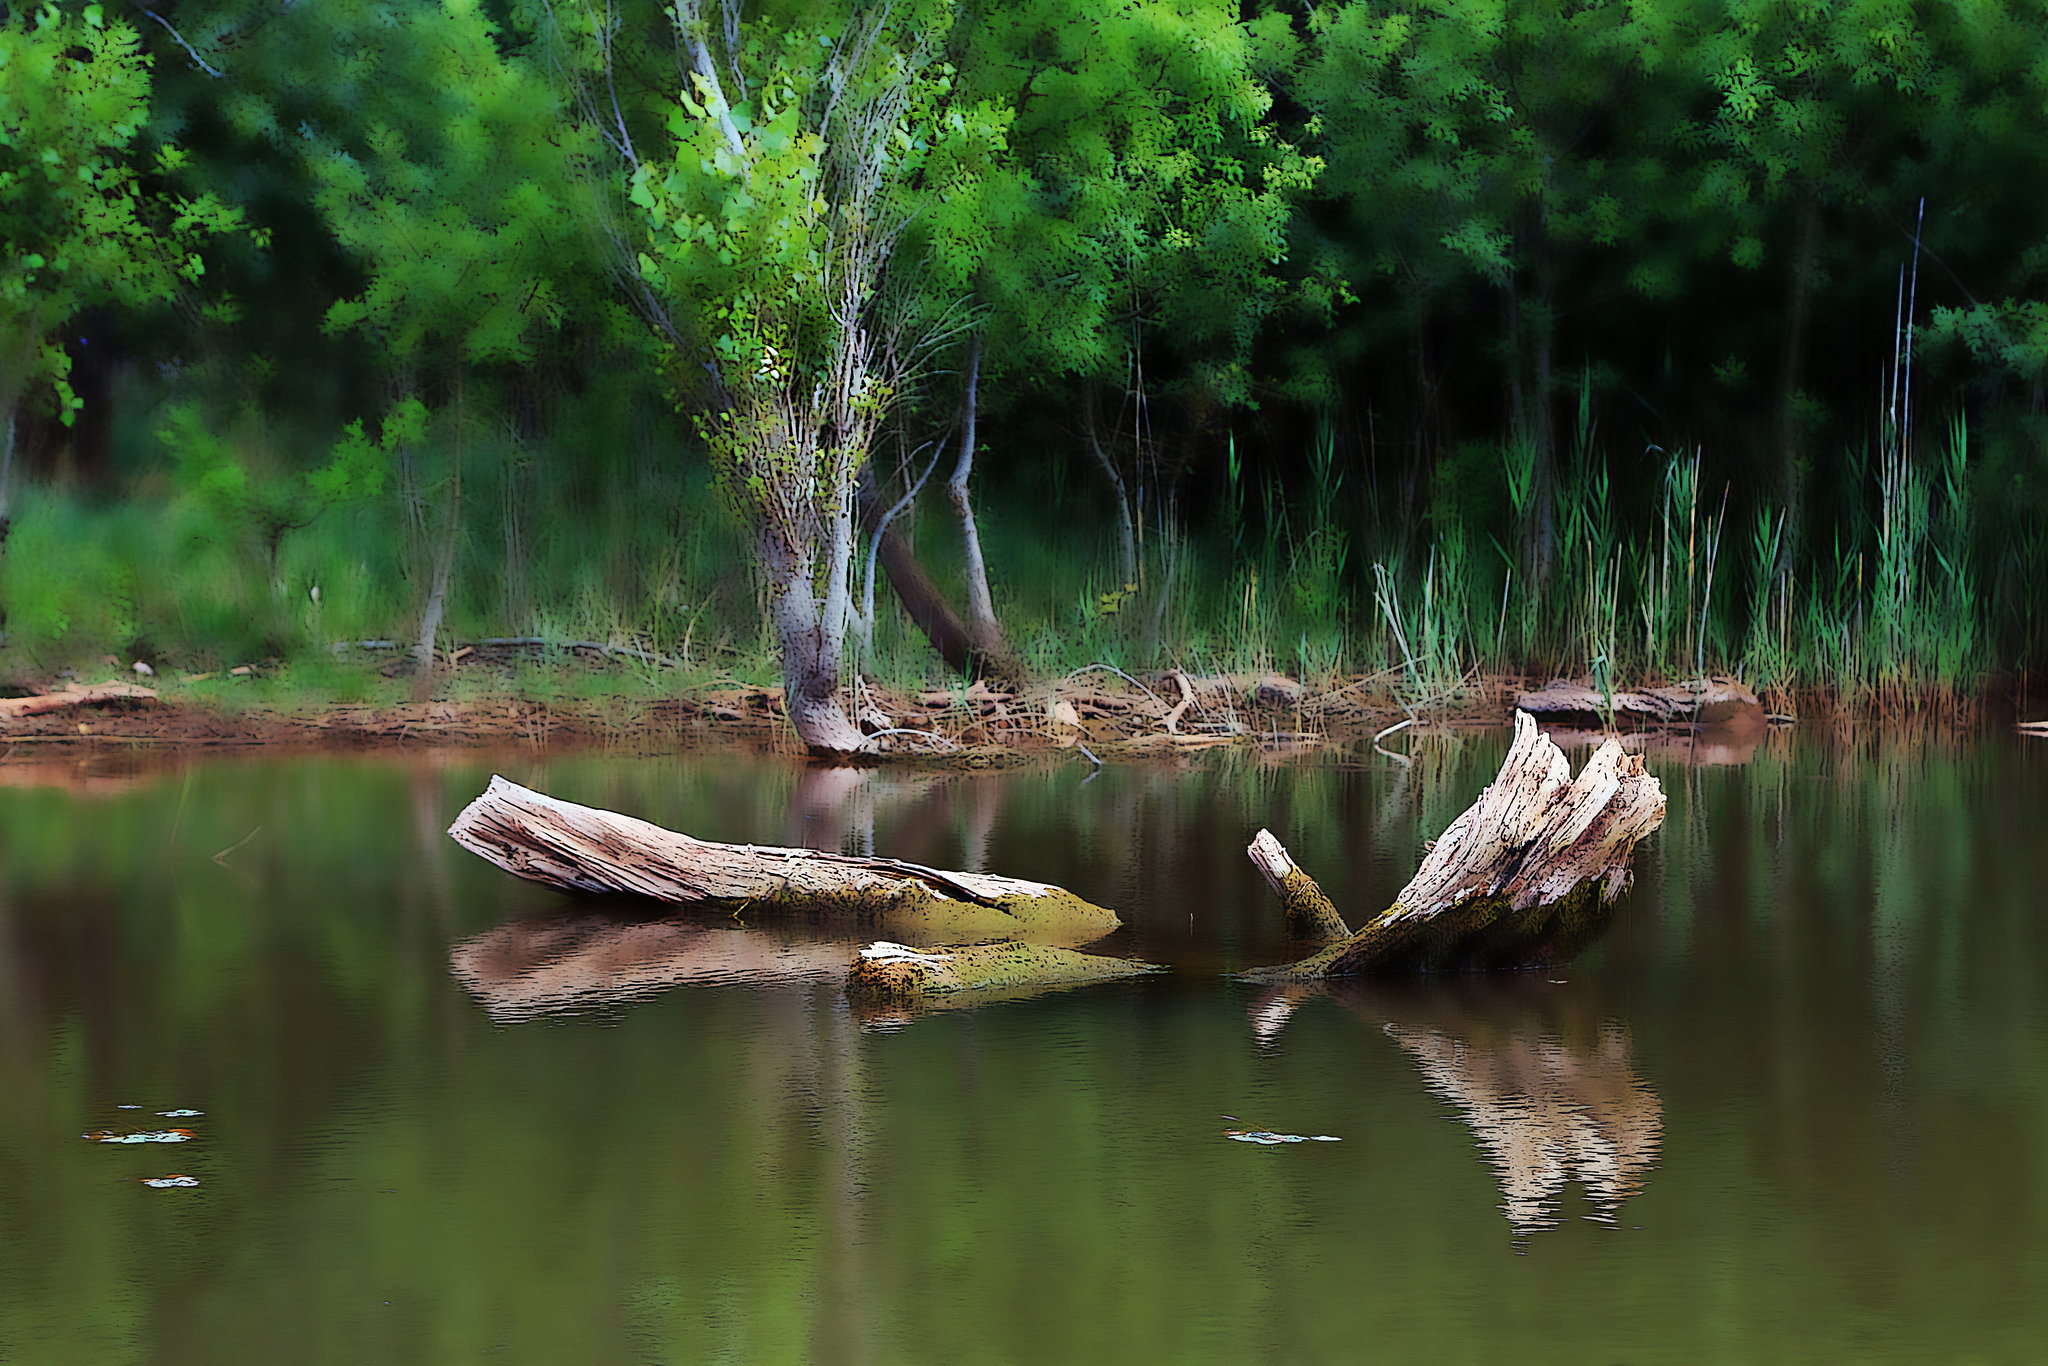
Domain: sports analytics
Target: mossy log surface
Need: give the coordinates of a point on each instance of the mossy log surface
(1310, 915)
(586, 850)
(1526, 877)
(892, 974)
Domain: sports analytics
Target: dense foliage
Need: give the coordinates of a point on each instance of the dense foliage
(1555, 335)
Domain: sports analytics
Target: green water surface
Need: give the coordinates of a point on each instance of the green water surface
(1793, 1109)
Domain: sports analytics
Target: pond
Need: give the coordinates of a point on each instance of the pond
(1793, 1108)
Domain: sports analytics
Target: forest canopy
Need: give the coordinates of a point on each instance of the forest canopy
(1544, 336)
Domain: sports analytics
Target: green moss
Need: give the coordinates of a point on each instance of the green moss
(911, 912)
(991, 968)
(1479, 933)
(1310, 913)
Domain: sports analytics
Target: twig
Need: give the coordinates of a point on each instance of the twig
(222, 857)
(189, 49)
(1111, 668)
(1401, 759)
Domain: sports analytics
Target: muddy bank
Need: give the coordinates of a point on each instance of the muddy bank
(1092, 714)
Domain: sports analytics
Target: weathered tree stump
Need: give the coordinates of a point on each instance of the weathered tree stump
(586, 850)
(1527, 877)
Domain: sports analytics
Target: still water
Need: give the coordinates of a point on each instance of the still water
(1793, 1109)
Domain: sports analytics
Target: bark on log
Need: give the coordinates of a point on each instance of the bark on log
(14, 708)
(1526, 877)
(1309, 913)
(583, 849)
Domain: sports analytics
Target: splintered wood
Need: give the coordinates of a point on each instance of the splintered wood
(1527, 876)
(587, 850)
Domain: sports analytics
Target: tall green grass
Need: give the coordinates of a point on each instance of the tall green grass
(1922, 580)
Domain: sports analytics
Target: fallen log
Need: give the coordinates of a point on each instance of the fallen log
(1526, 877)
(586, 850)
(1718, 702)
(15, 708)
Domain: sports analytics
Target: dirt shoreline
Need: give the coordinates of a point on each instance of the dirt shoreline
(1104, 716)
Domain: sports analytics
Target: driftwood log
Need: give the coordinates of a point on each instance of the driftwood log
(1715, 702)
(1526, 877)
(586, 850)
(98, 694)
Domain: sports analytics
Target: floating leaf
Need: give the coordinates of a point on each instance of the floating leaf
(1266, 1136)
(148, 1136)
(163, 1182)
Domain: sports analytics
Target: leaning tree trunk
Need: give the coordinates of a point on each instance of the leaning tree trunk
(981, 611)
(1527, 877)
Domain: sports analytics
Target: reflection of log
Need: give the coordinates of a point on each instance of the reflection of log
(1548, 1088)
(582, 849)
(1720, 702)
(1527, 876)
(552, 965)
(898, 975)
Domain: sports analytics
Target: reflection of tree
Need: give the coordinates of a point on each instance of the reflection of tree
(1547, 1087)
(568, 964)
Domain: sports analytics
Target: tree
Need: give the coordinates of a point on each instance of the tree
(452, 200)
(85, 217)
(1132, 238)
(761, 244)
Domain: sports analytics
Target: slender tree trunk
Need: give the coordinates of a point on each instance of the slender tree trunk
(926, 605)
(811, 629)
(6, 477)
(1423, 433)
(444, 569)
(981, 612)
(1792, 356)
(1543, 484)
(1127, 530)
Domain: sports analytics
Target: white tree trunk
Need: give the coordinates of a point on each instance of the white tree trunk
(811, 632)
(1126, 524)
(981, 611)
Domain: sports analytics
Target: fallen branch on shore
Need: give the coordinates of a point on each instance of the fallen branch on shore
(15, 708)
(1527, 876)
(1702, 702)
(586, 850)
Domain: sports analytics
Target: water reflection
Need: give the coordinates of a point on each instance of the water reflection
(1546, 1084)
(579, 963)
